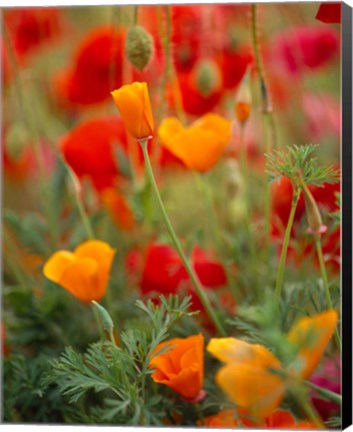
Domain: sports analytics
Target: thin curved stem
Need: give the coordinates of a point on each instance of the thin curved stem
(193, 277)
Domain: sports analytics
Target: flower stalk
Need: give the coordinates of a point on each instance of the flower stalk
(193, 277)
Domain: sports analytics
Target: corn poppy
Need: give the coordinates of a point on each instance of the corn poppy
(181, 366)
(132, 100)
(248, 377)
(199, 146)
(31, 28)
(90, 149)
(95, 69)
(84, 272)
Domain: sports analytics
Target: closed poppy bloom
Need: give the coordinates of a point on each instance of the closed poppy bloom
(181, 366)
(201, 145)
(89, 149)
(84, 272)
(248, 378)
(133, 102)
(95, 69)
(329, 13)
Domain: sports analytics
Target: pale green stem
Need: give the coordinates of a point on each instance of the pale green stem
(302, 399)
(27, 114)
(326, 287)
(136, 12)
(214, 227)
(327, 394)
(98, 322)
(80, 206)
(282, 262)
(193, 277)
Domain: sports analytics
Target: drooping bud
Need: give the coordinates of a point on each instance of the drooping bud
(107, 321)
(243, 101)
(313, 215)
(139, 47)
(208, 77)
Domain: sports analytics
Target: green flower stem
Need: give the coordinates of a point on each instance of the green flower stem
(194, 279)
(327, 394)
(282, 262)
(79, 204)
(326, 287)
(214, 227)
(302, 399)
(136, 13)
(266, 109)
(28, 117)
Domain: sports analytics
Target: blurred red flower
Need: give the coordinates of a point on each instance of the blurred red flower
(89, 150)
(329, 13)
(96, 68)
(29, 28)
(233, 64)
(307, 48)
(162, 271)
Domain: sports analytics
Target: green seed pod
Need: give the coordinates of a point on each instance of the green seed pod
(208, 77)
(139, 47)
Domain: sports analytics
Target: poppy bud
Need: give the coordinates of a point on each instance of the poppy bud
(312, 211)
(107, 321)
(139, 47)
(243, 101)
(207, 77)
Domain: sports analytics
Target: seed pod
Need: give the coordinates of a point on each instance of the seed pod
(207, 77)
(139, 47)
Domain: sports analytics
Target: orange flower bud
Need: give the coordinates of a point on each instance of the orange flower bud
(181, 366)
(243, 101)
(84, 273)
(133, 102)
(119, 209)
(199, 146)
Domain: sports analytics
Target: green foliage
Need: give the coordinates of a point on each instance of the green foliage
(296, 160)
(119, 373)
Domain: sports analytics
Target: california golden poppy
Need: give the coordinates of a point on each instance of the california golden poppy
(248, 377)
(133, 102)
(199, 146)
(181, 366)
(84, 272)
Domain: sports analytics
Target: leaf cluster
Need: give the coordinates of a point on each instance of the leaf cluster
(297, 159)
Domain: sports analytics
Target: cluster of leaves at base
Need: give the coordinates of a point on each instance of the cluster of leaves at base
(296, 159)
(119, 374)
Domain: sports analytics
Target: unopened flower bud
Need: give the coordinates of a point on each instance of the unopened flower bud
(313, 215)
(243, 101)
(108, 324)
(139, 47)
(208, 77)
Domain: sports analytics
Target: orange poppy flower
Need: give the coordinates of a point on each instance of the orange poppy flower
(84, 273)
(248, 378)
(181, 366)
(133, 102)
(199, 146)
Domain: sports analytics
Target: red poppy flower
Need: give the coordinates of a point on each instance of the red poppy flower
(233, 64)
(29, 28)
(329, 13)
(89, 149)
(186, 35)
(18, 169)
(307, 47)
(193, 101)
(163, 271)
(96, 69)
